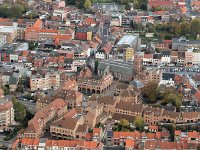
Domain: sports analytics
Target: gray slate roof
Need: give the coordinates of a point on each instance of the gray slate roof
(116, 66)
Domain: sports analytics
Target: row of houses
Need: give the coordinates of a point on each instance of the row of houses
(187, 58)
(126, 140)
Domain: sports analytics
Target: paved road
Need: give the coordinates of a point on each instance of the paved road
(5, 143)
(29, 105)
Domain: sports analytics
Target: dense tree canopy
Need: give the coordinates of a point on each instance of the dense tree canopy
(11, 11)
(87, 4)
(139, 123)
(150, 92)
(6, 90)
(124, 122)
(78, 3)
(20, 111)
(173, 98)
(195, 27)
(139, 4)
(189, 29)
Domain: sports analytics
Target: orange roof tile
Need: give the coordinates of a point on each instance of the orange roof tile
(177, 132)
(151, 136)
(130, 143)
(48, 31)
(38, 24)
(153, 127)
(59, 38)
(150, 18)
(158, 135)
(90, 20)
(25, 53)
(90, 144)
(135, 134)
(197, 96)
(167, 41)
(193, 134)
(4, 20)
(88, 136)
(183, 10)
(96, 130)
(69, 55)
(148, 55)
(29, 141)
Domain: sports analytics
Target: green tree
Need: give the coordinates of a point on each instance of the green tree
(20, 111)
(185, 28)
(139, 123)
(96, 64)
(33, 15)
(195, 27)
(177, 30)
(6, 90)
(16, 11)
(11, 11)
(150, 92)
(124, 122)
(32, 45)
(87, 4)
(173, 98)
(4, 11)
(28, 96)
(19, 88)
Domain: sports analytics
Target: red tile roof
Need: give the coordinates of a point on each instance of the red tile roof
(48, 31)
(193, 134)
(134, 134)
(4, 20)
(130, 143)
(72, 143)
(148, 56)
(38, 23)
(177, 132)
(167, 41)
(197, 96)
(153, 127)
(29, 141)
(90, 21)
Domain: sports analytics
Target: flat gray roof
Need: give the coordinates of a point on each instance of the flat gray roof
(127, 39)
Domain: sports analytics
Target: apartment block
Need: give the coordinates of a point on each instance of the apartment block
(10, 32)
(6, 113)
(49, 80)
(71, 126)
(50, 112)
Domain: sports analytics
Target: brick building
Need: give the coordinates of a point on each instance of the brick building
(50, 112)
(84, 33)
(167, 4)
(71, 126)
(98, 86)
(48, 80)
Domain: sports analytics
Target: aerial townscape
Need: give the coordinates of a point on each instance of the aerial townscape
(99, 74)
